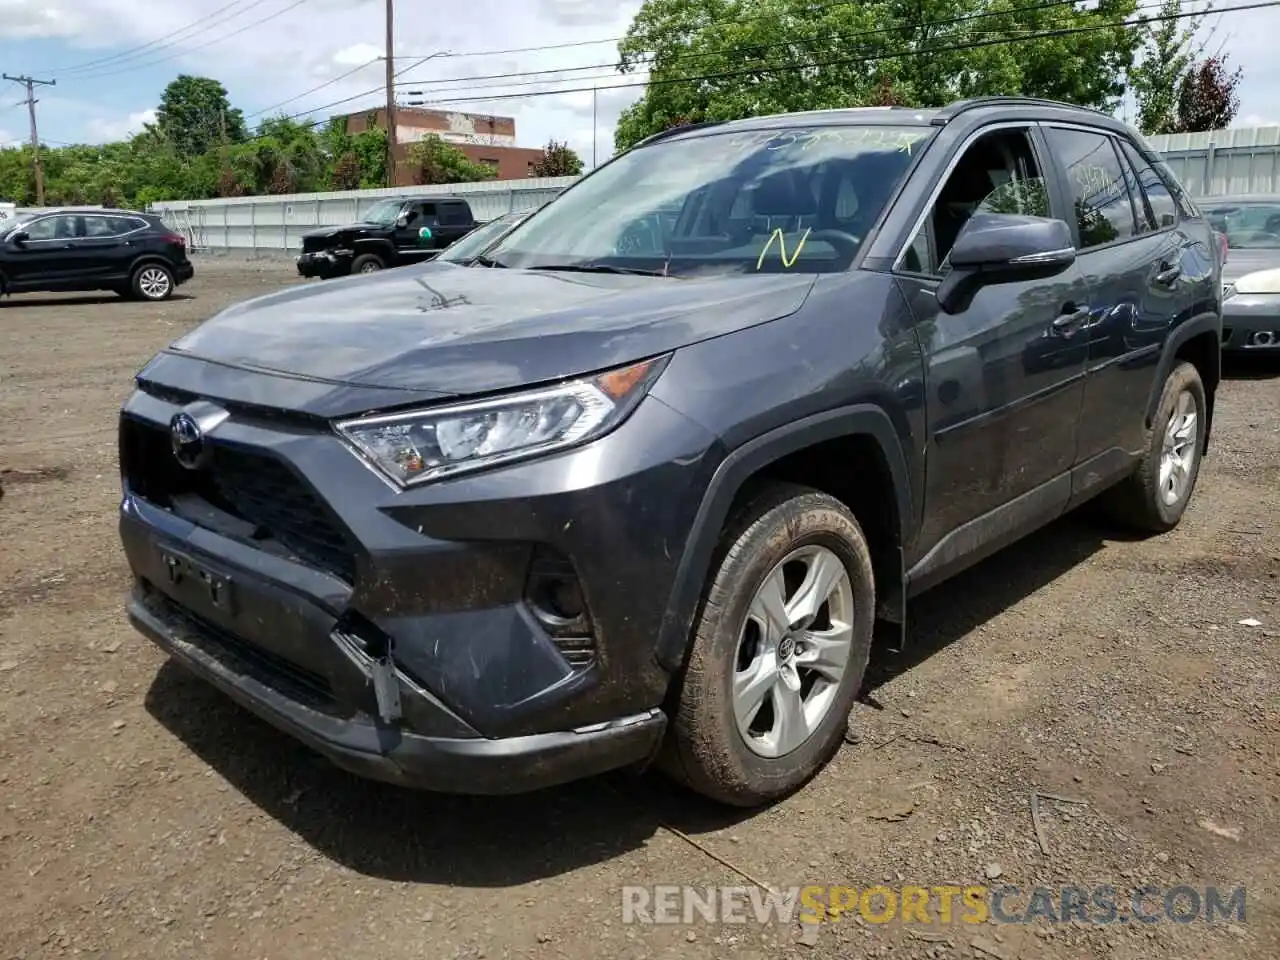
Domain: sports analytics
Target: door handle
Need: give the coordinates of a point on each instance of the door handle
(1071, 319)
(1169, 272)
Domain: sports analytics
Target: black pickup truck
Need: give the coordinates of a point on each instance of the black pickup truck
(392, 233)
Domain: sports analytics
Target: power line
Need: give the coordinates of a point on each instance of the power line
(775, 68)
(846, 61)
(726, 21)
(338, 79)
(745, 48)
(418, 61)
(306, 93)
(134, 51)
(31, 83)
(437, 86)
(94, 75)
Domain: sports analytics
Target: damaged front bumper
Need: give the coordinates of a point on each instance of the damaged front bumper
(452, 757)
(325, 264)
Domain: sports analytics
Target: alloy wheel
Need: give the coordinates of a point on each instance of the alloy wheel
(154, 283)
(793, 651)
(1179, 451)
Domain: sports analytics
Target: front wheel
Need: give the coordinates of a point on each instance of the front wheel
(779, 650)
(151, 281)
(366, 263)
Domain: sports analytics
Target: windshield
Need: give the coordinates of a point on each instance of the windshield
(1248, 226)
(383, 213)
(475, 242)
(799, 200)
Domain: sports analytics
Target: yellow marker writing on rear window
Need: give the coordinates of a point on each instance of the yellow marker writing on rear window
(782, 248)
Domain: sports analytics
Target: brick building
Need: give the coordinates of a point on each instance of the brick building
(484, 139)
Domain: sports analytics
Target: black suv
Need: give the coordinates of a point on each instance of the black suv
(392, 233)
(636, 482)
(134, 254)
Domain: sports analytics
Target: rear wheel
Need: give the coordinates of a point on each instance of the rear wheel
(779, 650)
(1156, 495)
(152, 281)
(366, 263)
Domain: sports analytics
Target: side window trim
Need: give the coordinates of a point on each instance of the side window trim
(1029, 126)
(1126, 162)
(1182, 206)
(1129, 184)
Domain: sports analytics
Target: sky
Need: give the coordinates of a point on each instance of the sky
(112, 58)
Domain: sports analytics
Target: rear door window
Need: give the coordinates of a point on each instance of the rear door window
(1104, 210)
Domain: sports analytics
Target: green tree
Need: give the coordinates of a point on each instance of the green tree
(557, 161)
(434, 161)
(346, 172)
(727, 59)
(1166, 58)
(195, 115)
(362, 156)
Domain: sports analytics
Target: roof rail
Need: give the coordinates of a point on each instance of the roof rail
(951, 111)
(672, 131)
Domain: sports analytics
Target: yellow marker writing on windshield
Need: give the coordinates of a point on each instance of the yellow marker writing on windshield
(782, 248)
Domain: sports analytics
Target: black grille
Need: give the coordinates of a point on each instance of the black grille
(251, 486)
(316, 244)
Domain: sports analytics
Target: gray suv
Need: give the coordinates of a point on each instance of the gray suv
(634, 483)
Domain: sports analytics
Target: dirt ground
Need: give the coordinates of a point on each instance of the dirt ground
(144, 815)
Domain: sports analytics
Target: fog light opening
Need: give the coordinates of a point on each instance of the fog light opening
(555, 597)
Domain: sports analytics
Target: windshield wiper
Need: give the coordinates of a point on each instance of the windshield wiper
(598, 268)
(484, 261)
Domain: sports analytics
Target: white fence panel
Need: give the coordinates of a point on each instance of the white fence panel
(277, 223)
(1219, 162)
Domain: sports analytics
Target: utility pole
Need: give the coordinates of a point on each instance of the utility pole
(391, 93)
(30, 83)
(595, 123)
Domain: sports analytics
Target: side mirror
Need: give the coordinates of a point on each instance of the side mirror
(1004, 248)
(19, 237)
(402, 220)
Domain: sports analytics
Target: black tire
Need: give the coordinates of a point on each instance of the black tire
(1138, 501)
(705, 748)
(367, 263)
(151, 281)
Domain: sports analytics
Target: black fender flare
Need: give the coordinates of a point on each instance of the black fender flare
(730, 476)
(142, 258)
(1197, 326)
(376, 245)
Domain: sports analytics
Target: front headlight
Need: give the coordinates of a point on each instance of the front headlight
(421, 445)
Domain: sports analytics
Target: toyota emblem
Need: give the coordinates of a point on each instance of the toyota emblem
(187, 440)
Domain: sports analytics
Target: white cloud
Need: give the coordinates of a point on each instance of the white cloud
(104, 130)
(31, 19)
(357, 53)
(1256, 120)
(10, 139)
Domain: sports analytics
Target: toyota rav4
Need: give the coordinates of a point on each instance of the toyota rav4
(634, 484)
